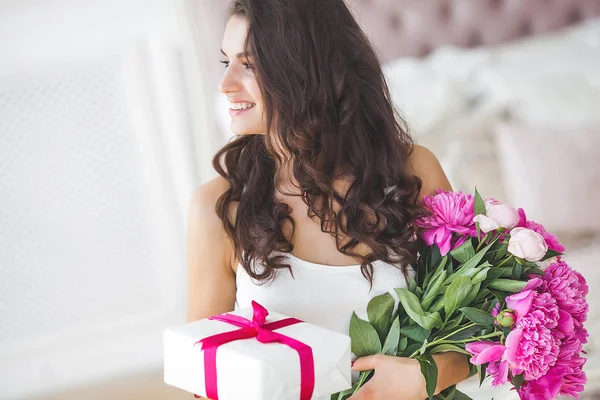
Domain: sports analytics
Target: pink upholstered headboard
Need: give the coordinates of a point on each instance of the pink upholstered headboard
(416, 27)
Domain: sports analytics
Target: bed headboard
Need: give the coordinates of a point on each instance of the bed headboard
(416, 27)
(412, 27)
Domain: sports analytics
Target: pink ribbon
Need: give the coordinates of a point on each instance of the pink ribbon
(264, 334)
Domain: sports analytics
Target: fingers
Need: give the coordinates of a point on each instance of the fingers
(365, 363)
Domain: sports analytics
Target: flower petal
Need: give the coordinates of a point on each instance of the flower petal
(520, 302)
(512, 345)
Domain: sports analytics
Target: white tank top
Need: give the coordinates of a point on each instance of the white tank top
(320, 294)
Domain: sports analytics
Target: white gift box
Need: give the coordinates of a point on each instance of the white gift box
(251, 370)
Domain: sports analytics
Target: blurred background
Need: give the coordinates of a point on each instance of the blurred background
(110, 115)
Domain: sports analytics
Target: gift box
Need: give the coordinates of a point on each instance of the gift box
(254, 354)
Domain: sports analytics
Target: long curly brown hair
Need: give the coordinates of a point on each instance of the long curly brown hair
(328, 106)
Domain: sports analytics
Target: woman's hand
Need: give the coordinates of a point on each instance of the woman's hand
(395, 378)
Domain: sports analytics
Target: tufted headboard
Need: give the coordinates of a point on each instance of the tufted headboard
(415, 27)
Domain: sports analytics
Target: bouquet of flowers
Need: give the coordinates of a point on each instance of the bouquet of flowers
(491, 284)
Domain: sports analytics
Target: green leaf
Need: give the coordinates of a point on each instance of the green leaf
(499, 295)
(364, 339)
(410, 349)
(471, 296)
(437, 305)
(456, 293)
(478, 316)
(517, 270)
(466, 333)
(415, 332)
(402, 344)
(345, 393)
(550, 254)
(469, 268)
(508, 285)
(411, 305)
(517, 381)
(443, 348)
(497, 252)
(478, 204)
(480, 275)
(458, 395)
(482, 373)
(434, 256)
(430, 372)
(472, 370)
(412, 285)
(463, 252)
(483, 294)
(439, 269)
(454, 322)
(448, 393)
(534, 270)
(390, 346)
(433, 289)
(380, 310)
(492, 275)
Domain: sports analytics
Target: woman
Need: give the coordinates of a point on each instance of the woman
(322, 174)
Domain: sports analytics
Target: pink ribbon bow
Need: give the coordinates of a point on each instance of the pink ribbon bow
(264, 334)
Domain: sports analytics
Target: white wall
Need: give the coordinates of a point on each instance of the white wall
(99, 153)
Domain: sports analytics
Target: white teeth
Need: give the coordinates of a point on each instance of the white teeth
(241, 105)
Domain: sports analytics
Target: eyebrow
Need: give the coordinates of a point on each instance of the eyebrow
(238, 55)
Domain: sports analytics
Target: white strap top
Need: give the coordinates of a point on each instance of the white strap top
(320, 294)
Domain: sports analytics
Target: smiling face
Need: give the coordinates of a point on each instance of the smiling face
(239, 82)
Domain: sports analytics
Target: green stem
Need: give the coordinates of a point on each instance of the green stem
(443, 341)
(474, 339)
(505, 260)
(361, 379)
(455, 332)
(482, 241)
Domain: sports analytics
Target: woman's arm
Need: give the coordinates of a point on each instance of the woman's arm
(211, 280)
(453, 367)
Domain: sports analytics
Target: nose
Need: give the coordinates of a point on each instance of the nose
(229, 82)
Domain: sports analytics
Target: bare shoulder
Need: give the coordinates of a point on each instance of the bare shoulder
(426, 166)
(206, 195)
(211, 279)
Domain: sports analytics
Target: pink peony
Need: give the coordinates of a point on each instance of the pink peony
(520, 302)
(569, 288)
(484, 352)
(566, 377)
(452, 213)
(531, 347)
(551, 240)
(503, 214)
(527, 244)
(545, 388)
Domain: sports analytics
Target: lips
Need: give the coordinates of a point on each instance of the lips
(234, 113)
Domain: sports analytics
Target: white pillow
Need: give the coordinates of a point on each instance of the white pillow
(425, 97)
(553, 173)
(546, 79)
(535, 96)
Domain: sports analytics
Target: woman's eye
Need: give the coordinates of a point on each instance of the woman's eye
(225, 62)
(248, 65)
